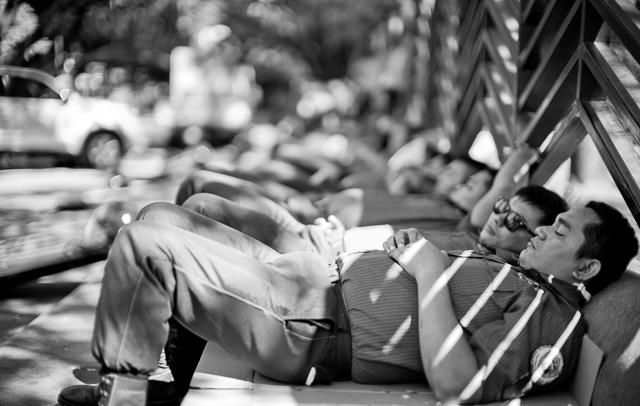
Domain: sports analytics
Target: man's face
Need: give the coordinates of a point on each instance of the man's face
(456, 171)
(434, 166)
(495, 233)
(555, 247)
(467, 194)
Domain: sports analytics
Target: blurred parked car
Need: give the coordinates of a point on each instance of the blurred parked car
(39, 114)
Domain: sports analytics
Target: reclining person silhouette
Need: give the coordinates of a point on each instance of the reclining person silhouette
(224, 286)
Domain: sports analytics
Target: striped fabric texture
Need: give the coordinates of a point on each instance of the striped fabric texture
(382, 303)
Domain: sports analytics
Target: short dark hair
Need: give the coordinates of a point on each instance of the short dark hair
(612, 241)
(545, 200)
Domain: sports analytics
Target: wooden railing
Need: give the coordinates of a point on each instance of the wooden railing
(542, 72)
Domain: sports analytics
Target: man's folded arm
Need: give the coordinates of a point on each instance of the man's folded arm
(449, 366)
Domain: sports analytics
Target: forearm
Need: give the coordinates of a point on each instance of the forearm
(482, 209)
(449, 365)
(510, 177)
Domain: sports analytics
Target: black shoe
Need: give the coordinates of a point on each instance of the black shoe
(158, 394)
(80, 395)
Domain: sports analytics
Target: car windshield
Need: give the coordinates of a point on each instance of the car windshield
(18, 87)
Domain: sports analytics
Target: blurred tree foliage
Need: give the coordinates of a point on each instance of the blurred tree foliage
(18, 22)
(280, 37)
(37, 32)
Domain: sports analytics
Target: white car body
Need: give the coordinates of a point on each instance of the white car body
(95, 131)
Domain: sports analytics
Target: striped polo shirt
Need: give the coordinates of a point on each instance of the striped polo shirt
(382, 304)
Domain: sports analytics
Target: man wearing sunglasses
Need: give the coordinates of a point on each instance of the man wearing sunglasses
(512, 220)
(509, 227)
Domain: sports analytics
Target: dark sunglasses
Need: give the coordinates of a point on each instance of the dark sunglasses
(512, 221)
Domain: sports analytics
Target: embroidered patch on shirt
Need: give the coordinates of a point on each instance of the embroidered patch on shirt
(552, 372)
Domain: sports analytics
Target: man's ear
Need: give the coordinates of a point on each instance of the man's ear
(588, 269)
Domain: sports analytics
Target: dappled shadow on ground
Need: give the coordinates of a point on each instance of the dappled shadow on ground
(22, 303)
(54, 351)
(88, 374)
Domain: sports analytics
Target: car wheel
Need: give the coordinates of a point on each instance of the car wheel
(103, 150)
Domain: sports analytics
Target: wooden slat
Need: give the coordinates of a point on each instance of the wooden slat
(473, 90)
(501, 83)
(467, 8)
(565, 141)
(507, 21)
(503, 111)
(506, 62)
(526, 7)
(610, 140)
(618, 83)
(527, 48)
(562, 47)
(469, 129)
(489, 115)
(554, 106)
(624, 19)
(470, 24)
(471, 64)
(447, 60)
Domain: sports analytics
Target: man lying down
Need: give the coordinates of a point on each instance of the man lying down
(475, 327)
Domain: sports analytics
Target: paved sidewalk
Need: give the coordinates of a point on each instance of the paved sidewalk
(53, 351)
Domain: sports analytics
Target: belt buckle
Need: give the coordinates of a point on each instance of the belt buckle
(332, 272)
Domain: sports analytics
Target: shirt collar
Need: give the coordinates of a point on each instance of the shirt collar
(506, 255)
(563, 288)
(483, 249)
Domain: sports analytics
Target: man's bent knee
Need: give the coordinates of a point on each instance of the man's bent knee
(200, 201)
(140, 238)
(155, 211)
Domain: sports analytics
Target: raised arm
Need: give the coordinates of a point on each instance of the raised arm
(448, 374)
(510, 177)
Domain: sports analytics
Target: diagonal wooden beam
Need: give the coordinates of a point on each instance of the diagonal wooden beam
(560, 50)
(502, 109)
(527, 48)
(505, 17)
(469, 129)
(619, 84)
(624, 19)
(614, 147)
(554, 106)
(563, 144)
(472, 92)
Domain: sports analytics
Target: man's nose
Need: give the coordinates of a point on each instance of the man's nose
(541, 231)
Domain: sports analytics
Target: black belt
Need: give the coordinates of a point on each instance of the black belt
(343, 337)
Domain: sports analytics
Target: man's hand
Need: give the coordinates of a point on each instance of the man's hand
(334, 231)
(415, 254)
(401, 238)
(516, 165)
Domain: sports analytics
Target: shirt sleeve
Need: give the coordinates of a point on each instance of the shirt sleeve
(512, 373)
